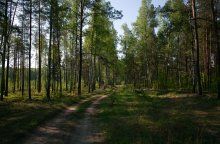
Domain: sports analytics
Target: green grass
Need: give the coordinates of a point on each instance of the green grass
(159, 119)
(18, 117)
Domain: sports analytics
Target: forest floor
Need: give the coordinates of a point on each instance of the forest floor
(42, 121)
(159, 118)
(123, 117)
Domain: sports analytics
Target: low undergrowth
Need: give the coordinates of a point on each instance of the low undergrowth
(153, 119)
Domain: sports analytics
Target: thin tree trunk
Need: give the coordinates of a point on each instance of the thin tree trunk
(199, 86)
(94, 73)
(215, 26)
(72, 68)
(66, 70)
(8, 50)
(76, 55)
(80, 46)
(35, 70)
(1, 41)
(193, 64)
(49, 56)
(39, 49)
(22, 73)
(100, 75)
(7, 70)
(53, 61)
(178, 63)
(30, 37)
(4, 50)
(60, 69)
(206, 60)
(209, 59)
(19, 70)
(15, 69)
(90, 72)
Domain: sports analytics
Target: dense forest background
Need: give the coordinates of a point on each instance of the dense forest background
(71, 46)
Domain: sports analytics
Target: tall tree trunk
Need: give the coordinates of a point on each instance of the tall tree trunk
(14, 70)
(92, 66)
(206, 65)
(215, 26)
(49, 56)
(30, 38)
(100, 74)
(22, 72)
(80, 46)
(19, 70)
(2, 37)
(90, 72)
(66, 70)
(199, 86)
(76, 55)
(7, 70)
(59, 83)
(4, 50)
(35, 70)
(39, 49)
(94, 73)
(72, 67)
(60, 69)
(209, 59)
(178, 63)
(193, 64)
(53, 59)
(8, 50)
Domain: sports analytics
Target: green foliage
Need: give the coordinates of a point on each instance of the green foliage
(140, 49)
(100, 46)
(113, 97)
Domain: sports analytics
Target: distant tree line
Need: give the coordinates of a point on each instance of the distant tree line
(69, 45)
(42, 46)
(174, 47)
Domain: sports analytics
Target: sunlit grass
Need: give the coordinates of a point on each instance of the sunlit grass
(179, 119)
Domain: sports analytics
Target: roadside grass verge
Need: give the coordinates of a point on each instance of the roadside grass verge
(143, 119)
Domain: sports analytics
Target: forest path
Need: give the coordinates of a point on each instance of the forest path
(64, 130)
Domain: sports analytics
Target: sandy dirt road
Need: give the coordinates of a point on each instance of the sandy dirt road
(62, 130)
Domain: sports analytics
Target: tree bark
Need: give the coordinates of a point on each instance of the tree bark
(4, 50)
(199, 86)
(7, 71)
(30, 38)
(80, 46)
(49, 56)
(215, 26)
(39, 49)
(8, 50)
(15, 69)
